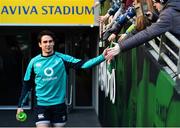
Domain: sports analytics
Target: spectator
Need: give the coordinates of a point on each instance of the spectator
(168, 20)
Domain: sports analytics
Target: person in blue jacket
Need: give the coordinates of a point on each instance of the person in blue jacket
(49, 71)
(168, 20)
(115, 5)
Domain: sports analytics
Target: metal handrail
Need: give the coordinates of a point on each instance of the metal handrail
(164, 56)
(176, 42)
(161, 54)
(173, 39)
(169, 49)
(69, 101)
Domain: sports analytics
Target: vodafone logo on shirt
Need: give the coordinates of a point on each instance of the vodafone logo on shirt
(48, 71)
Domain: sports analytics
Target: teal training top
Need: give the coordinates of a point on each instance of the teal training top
(50, 77)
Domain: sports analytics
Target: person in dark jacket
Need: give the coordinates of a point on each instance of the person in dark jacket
(168, 20)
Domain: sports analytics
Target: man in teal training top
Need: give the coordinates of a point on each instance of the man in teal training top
(49, 71)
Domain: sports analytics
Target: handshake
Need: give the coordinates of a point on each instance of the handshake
(109, 53)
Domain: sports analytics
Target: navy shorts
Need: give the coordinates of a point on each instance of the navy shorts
(51, 114)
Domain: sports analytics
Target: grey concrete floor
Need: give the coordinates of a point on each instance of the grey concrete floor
(76, 118)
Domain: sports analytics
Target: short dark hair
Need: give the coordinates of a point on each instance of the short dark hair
(46, 32)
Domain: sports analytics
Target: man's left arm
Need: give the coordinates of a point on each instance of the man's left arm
(84, 64)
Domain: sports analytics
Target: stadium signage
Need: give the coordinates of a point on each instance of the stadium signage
(53, 12)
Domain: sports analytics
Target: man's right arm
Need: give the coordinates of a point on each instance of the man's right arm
(27, 85)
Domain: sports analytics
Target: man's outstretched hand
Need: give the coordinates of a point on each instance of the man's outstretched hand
(109, 53)
(113, 51)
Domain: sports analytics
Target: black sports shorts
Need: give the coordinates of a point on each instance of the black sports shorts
(51, 114)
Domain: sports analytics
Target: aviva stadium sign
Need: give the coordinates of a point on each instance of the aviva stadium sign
(47, 12)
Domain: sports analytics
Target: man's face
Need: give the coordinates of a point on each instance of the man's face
(47, 44)
(157, 5)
